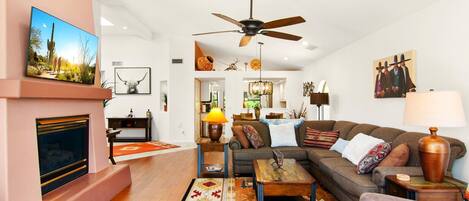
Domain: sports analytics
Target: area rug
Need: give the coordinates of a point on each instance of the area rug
(236, 189)
(135, 148)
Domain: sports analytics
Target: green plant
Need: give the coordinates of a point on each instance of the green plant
(106, 85)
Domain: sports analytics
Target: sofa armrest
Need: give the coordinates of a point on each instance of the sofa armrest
(235, 144)
(379, 173)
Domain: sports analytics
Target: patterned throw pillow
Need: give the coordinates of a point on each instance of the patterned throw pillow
(321, 139)
(373, 158)
(241, 136)
(253, 136)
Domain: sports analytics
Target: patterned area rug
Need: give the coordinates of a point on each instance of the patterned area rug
(239, 189)
(135, 148)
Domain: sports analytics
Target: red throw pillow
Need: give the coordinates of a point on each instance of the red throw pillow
(241, 136)
(321, 139)
(373, 158)
(253, 136)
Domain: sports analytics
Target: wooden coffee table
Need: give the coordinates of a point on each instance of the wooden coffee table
(291, 180)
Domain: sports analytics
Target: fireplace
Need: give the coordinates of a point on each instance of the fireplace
(63, 150)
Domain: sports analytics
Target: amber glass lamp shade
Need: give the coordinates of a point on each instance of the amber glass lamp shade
(433, 110)
(215, 120)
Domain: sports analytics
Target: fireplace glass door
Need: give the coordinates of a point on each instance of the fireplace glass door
(62, 149)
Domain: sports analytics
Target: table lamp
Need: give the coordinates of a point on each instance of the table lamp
(215, 120)
(319, 99)
(434, 109)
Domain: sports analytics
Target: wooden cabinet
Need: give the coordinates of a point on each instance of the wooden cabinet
(131, 123)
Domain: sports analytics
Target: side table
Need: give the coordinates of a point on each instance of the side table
(206, 145)
(419, 189)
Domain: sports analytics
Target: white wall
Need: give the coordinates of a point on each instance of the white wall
(136, 52)
(439, 34)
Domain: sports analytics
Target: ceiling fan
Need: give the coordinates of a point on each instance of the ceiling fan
(252, 27)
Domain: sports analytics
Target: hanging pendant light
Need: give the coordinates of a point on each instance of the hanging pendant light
(260, 87)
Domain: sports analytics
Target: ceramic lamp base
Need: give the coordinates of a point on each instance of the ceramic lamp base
(434, 154)
(215, 131)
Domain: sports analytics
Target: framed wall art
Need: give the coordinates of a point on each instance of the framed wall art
(132, 80)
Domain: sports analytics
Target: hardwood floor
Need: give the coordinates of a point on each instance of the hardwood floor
(163, 177)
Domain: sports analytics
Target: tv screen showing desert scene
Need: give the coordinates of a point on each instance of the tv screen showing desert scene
(60, 51)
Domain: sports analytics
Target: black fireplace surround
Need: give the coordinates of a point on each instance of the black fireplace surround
(63, 150)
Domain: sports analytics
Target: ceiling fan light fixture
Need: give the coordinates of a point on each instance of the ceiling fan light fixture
(252, 27)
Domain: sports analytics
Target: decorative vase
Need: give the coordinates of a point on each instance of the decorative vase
(434, 154)
(205, 63)
(215, 131)
(258, 113)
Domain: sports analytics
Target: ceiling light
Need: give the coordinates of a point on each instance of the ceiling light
(285, 58)
(106, 23)
(305, 43)
(124, 27)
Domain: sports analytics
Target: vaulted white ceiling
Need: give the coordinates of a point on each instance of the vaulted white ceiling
(330, 24)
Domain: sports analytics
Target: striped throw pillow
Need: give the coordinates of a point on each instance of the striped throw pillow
(321, 139)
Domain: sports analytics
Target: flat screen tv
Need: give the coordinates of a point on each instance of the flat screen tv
(57, 50)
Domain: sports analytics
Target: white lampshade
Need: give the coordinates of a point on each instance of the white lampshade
(434, 109)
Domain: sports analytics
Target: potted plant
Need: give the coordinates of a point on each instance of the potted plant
(106, 85)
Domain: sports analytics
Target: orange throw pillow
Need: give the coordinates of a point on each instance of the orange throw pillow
(241, 136)
(397, 158)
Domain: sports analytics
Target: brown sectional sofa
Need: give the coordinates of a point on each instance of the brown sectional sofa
(328, 167)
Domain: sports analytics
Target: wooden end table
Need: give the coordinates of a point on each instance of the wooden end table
(206, 145)
(419, 189)
(291, 180)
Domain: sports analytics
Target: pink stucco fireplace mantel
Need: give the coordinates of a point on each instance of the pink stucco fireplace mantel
(23, 100)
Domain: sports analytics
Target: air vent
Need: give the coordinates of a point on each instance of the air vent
(177, 61)
(117, 63)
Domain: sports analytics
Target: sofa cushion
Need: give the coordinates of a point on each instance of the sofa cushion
(328, 165)
(240, 136)
(344, 127)
(397, 158)
(316, 154)
(266, 153)
(359, 146)
(318, 125)
(353, 183)
(320, 139)
(361, 128)
(339, 145)
(387, 134)
(283, 135)
(261, 128)
(373, 158)
(253, 136)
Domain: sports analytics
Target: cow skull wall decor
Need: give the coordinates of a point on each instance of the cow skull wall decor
(130, 80)
(132, 84)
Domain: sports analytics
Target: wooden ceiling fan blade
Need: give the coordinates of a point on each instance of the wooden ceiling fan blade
(245, 40)
(281, 35)
(215, 32)
(229, 19)
(283, 22)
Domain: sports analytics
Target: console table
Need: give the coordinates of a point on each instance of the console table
(131, 123)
